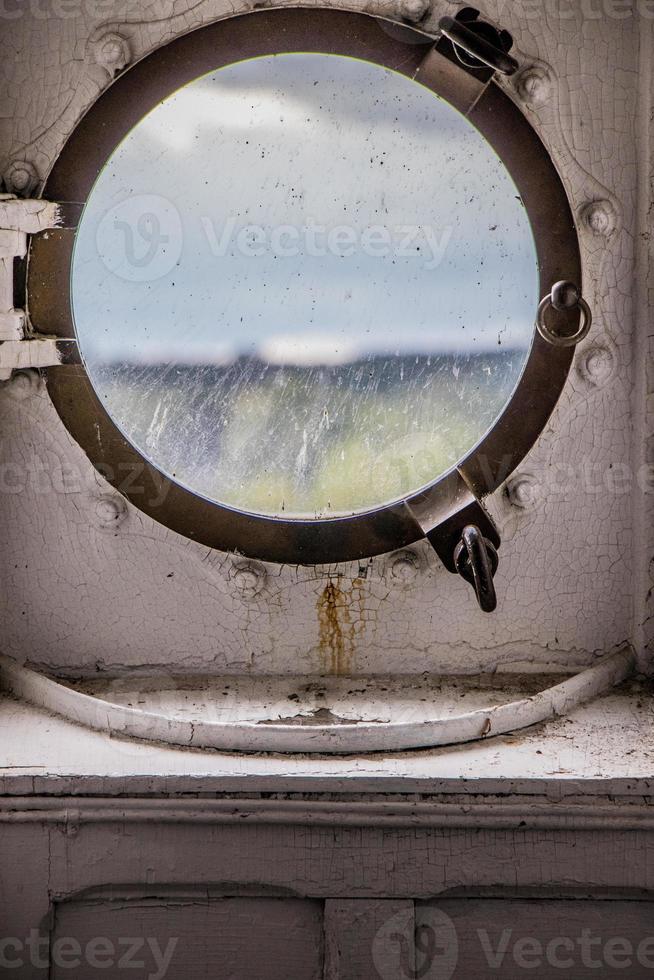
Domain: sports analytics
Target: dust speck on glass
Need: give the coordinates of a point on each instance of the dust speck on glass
(304, 286)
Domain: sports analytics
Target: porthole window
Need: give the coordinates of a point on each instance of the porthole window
(299, 301)
(327, 286)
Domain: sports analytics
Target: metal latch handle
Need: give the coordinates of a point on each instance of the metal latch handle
(476, 561)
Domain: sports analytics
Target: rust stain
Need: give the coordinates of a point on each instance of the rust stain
(338, 629)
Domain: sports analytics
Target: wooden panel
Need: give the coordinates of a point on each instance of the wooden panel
(368, 940)
(346, 861)
(546, 940)
(187, 939)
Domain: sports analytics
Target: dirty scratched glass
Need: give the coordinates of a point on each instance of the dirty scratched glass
(304, 286)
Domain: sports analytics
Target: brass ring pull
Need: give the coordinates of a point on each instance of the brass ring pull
(564, 296)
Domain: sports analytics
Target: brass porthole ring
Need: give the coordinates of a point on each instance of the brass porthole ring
(564, 296)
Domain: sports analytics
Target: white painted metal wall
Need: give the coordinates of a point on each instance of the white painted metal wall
(93, 589)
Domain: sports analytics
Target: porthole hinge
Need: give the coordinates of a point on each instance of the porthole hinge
(19, 350)
(478, 43)
(467, 52)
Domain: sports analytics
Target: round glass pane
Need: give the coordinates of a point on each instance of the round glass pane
(304, 286)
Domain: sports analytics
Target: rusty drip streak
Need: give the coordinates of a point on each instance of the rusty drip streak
(336, 628)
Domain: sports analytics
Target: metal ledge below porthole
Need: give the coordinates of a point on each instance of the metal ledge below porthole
(313, 715)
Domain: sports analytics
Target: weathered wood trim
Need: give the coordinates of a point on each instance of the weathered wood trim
(484, 814)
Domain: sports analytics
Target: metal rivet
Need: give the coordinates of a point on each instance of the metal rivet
(112, 52)
(21, 177)
(523, 491)
(24, 383)
(599, 217)
(534, 85)
(248, 577)
(404, 567)
(413, 10)
(110, 511)
(596, 365)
